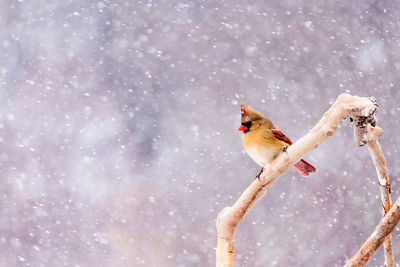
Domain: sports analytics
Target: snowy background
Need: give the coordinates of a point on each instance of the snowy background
(118, 128)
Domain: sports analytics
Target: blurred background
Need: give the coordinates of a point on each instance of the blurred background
(118, 129)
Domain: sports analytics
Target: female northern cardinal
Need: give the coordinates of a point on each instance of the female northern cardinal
(263, 142)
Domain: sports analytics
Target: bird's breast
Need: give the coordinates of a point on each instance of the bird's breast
(261, 155)
(262, 146)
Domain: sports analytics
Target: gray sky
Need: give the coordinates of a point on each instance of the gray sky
(118, 129)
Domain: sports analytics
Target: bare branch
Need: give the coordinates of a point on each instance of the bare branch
(344, 107)
(365, 132)
(382, 231)
(380, 164)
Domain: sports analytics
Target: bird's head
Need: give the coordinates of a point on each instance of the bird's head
(250, 118)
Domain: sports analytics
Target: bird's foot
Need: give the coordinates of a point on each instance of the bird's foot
(285, 149)
(258, 175)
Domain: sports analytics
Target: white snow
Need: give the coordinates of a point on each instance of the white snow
(118, 129)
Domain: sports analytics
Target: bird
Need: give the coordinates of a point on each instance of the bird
(263, 142)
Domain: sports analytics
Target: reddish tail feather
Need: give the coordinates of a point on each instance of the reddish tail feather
(304, 168)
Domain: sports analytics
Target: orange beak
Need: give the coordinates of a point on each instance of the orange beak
(242, 128)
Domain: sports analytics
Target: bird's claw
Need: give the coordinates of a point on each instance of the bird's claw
(258, 175)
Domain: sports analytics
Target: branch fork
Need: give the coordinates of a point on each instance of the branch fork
(362, 111)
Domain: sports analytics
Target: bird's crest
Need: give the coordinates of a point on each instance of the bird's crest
(243, 108)
(249, 114)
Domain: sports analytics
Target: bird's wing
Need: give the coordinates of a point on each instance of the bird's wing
(279, 135)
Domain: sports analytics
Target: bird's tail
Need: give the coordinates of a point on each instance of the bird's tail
(304, 168)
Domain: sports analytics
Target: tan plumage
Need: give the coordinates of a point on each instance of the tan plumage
(263, 142)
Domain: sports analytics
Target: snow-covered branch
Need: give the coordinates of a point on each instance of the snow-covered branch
(380, 164)
(346, 106)
(366, 132)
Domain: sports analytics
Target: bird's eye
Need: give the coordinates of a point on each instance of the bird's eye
(247, 124)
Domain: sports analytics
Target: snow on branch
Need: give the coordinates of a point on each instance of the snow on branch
(366, 133)
(359, 109)
(383, 180)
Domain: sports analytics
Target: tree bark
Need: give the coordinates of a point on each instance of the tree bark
(346, 106)
(383, 179)
(365, 132)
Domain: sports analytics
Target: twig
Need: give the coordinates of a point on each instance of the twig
(382, 231)
(344, 107)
